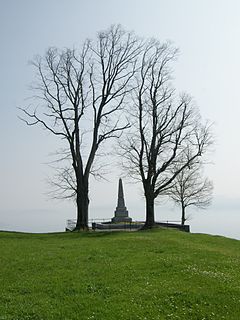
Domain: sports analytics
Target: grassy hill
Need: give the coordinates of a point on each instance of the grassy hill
(159, 274)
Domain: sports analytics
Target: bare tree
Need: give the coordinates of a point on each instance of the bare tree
(166, 130)
(190, 188)
(80, 100)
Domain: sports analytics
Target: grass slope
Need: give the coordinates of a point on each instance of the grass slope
(159, 274)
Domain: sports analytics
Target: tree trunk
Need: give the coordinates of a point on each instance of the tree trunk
(150, 221)
(183, 214)
(82, 207)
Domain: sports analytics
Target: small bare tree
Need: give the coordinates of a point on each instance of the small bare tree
(166, 131)
(80, 100)
(190, 188)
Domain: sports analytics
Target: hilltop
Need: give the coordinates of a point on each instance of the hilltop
(158, 274)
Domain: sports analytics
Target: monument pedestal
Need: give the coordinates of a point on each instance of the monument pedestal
(122, 218)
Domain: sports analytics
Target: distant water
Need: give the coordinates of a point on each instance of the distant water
(219, 219)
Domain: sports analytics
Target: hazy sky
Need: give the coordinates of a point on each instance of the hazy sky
(207, 33)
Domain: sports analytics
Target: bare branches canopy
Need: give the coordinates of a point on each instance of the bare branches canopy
(83, 96)
(191, 188)
(167, 135)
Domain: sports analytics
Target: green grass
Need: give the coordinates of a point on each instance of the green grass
(159, 274)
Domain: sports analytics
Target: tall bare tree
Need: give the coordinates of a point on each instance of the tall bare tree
(80, 98)
(166, 130)
(190, 188)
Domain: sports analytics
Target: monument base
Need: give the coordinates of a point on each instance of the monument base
(121, 219)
